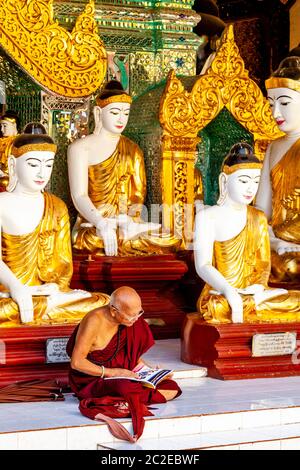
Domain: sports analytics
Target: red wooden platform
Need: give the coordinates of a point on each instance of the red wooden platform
(226, 349)
(23, 354)
(156, 279)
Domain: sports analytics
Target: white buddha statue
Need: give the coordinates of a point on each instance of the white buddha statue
(279, 191)
(232, 251)
(36, 259)
(9, 124)
(108, 185)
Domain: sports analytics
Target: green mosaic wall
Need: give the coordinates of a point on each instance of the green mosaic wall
(217, 139)
(22, 94)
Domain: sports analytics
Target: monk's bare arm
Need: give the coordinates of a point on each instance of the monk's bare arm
(88, 330)
(86, 336)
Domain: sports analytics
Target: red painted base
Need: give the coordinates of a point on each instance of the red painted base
(156, 279)
(23, 354)
(225, 349)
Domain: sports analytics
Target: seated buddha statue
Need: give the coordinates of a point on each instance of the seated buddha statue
(36, 261)
(279, 192)
(108, 185)
(233, 258)
(9, 124)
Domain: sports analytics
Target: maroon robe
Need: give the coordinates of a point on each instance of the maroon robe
(100, 395)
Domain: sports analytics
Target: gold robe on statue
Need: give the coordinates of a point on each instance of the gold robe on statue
(118, 186)
(286, 212)
(44, 256)
(245, 260)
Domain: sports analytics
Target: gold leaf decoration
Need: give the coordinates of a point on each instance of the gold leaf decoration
(226, 83)
(72, 65)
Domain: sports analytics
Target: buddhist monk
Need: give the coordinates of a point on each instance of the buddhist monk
(110, 342)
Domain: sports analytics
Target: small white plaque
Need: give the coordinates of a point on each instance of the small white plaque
(274, 344)
(56, 350)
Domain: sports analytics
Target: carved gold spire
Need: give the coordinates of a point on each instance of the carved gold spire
(68, 64)
(184, 114)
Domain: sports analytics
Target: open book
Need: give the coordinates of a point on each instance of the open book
(149, 377)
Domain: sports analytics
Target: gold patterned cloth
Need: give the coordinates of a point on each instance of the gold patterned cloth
(44, 256)
(285, 178)
(118, 186)
(245, 260)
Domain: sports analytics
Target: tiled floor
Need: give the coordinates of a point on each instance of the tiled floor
(201, 396)
(205, 406)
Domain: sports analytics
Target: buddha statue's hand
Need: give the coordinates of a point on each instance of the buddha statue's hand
(252, 290)
(23, 298)
(106, 229)
(44, 289)
(268, 294)
(131, 229)
(236, 303)
(199, 205)
(281, 246)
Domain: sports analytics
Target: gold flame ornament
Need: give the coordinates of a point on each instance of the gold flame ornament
(70, 64)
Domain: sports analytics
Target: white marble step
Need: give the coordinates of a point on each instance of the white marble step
(206, 407)
(263, 438)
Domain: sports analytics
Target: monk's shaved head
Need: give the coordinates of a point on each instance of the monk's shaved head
(125, 297)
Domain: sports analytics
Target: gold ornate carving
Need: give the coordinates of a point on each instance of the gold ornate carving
(184, 114)
(226, 83)
(68, 64)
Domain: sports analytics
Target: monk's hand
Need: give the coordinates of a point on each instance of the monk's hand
(106, 229)
(118, 372)
(23, 298)
(236, 303)
(282, 247)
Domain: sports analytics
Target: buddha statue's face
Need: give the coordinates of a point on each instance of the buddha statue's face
(242, 185)
(285, 105)
(8, 128)
(115, 117)
(33, 170)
